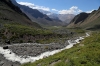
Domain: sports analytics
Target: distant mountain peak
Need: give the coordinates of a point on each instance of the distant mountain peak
(66, 18)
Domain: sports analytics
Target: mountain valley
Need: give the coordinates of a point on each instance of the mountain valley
(32, 37)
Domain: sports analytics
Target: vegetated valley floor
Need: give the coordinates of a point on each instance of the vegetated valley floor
(86, 53)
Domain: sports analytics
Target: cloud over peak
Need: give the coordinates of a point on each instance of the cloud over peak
(89, 11)
(27, 4)
(72, 10)
(54, 10)
(33, 6)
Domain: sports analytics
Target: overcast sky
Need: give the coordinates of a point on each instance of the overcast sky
(62, 6)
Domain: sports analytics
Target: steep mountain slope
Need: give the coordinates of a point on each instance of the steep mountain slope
(9, 13)
(37, 16)
(87, 20)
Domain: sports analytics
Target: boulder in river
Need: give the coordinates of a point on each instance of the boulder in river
(5, 47)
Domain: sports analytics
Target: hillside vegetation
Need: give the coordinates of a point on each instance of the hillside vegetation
(18, 33)
(86, 53)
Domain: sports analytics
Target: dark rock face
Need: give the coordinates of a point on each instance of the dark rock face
(80, 17)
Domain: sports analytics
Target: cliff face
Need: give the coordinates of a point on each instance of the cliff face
(86, 20)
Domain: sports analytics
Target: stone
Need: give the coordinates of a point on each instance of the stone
(5, 47)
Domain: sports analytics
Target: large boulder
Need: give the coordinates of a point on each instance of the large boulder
(5, 47)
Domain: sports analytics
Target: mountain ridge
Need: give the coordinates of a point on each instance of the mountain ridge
(86, 20)
(37, 16)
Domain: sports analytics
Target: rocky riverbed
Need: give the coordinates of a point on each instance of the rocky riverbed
(34, 49)
(28, 49)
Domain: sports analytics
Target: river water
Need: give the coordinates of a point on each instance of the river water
(11, 56)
